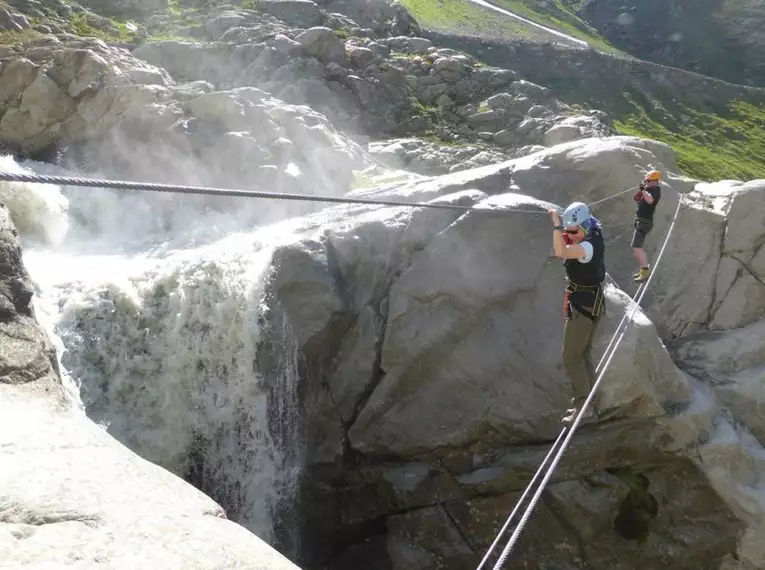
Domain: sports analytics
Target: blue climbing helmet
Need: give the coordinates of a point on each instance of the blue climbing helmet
(575, 215)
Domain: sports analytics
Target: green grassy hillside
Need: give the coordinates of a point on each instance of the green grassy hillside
(710, 146)
(716, 129)
(465, 17)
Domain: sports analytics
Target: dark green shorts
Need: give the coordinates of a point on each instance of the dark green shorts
(641, 230)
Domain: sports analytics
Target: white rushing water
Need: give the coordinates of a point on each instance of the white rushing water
(158, 311)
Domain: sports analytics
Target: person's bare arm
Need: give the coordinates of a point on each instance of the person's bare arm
(573, 251)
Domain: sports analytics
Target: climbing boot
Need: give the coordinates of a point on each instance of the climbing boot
(589, 416)
(641, 275)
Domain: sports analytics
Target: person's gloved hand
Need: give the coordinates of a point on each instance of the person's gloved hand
(638, 195)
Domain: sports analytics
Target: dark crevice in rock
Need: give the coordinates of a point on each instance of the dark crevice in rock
(715, 303)
(635, 515)
(369, 552)
(377, 376)
(333, 266)
(638, 509)
(340, 281)
(746, 267)
(378, 373)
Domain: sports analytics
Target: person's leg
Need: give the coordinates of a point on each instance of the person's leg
(638, 238)
(640, 256)
(577, 341)
(587, 356)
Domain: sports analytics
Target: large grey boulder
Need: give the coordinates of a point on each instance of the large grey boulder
(323, 44)
(460, 379)
(384, 17)
(73, 493)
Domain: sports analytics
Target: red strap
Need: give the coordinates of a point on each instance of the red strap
(565, 304)
(567, 239)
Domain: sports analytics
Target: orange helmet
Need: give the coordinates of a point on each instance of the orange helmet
(653, 175)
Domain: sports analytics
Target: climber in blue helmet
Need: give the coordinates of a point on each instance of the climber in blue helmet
(578, 240)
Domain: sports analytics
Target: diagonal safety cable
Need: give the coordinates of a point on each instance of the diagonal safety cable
(522, 499)
(542, 465)
(524, 519)
(590, 205)
(182, 189)
(635, 299)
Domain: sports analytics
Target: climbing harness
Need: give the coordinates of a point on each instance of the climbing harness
(605, 360)
(572, 287)
(205, 190)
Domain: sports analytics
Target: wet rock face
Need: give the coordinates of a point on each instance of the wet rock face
(55, 507)
(27, 356)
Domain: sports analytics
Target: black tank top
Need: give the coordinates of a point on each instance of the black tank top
(593, 272)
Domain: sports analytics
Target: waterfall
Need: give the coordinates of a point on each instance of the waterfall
(159, 308)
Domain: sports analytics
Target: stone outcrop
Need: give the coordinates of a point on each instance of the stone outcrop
(456, 382)
(131, 119)
(73, 493)
(382, 86)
